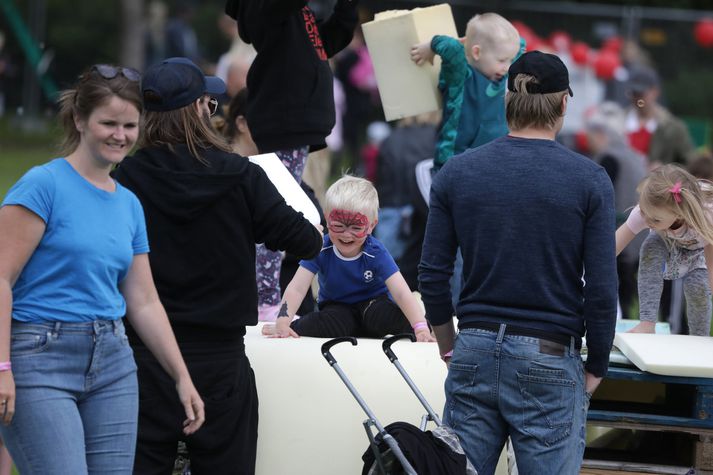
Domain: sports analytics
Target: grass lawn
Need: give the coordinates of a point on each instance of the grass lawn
(20, 151)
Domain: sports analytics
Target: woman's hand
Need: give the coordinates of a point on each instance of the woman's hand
(192, 404)
(7, 397)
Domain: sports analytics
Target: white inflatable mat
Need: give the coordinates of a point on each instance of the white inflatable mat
(309, 421)
(670, 355)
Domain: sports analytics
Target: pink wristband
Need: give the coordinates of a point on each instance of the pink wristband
(447, 356)
(417, 326)
(5, 366)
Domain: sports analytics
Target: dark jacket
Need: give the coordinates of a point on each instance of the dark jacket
(203, 222)
(291, 97)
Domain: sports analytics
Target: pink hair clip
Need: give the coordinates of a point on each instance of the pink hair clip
(676, 192)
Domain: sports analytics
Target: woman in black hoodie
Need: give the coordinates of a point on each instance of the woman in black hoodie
(290, 105)
(205, 210)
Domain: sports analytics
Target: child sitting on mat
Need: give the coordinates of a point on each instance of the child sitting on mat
(361, 291)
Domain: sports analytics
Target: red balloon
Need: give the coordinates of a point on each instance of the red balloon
(581, 142)
(523, 29)
(613, 43)
(605, 64)
(703, 32)
(532, 41)
(560, 40)
(580, 53)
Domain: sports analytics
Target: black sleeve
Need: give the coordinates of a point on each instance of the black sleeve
(276, 223)
(337, 31)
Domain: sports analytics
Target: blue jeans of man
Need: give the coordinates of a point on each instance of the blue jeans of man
(502, 385)
(76, 399)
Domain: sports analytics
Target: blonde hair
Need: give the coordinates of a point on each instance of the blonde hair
(695, 196)
(524, 109)
(352, 193)
(488, 29)
(181, 126)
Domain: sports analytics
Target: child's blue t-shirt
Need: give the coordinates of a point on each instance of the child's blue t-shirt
(352, 279)
(89, 242)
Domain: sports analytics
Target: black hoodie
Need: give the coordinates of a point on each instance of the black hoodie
(290, 90)
(203, 222)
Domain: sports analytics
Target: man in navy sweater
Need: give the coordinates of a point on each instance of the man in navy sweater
(535, 223)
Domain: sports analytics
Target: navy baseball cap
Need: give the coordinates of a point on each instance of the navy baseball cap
(548, 69)
(176, 82)
(642, 79)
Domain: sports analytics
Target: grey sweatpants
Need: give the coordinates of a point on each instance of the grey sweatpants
(652, 259)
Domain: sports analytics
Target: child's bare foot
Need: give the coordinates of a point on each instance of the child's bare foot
(644, 327)
(268, 329)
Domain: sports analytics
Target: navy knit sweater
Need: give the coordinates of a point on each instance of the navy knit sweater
(534, 221)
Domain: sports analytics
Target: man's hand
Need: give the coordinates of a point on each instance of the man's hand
(591, 382)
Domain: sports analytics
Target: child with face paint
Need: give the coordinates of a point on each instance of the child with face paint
(361, 290)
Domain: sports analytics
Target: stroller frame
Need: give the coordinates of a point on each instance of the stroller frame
(372, 420)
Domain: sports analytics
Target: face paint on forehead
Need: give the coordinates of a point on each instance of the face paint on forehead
(348, 218)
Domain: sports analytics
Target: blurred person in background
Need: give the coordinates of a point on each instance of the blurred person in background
(651, 128)
(626, 168)
(403, 211)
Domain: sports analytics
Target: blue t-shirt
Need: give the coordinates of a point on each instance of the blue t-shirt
(352, 279)
(89, 242)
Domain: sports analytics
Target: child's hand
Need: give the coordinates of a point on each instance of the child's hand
(421, 53)
(644, 327)
(424, 335)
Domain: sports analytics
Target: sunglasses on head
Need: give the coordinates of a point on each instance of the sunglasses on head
(108, 71)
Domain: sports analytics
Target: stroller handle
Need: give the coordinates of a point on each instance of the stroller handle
(335, 341)
(386, 345)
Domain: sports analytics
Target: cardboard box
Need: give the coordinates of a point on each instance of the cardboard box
(405, 88)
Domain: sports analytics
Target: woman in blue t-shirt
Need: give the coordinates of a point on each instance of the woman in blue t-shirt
(73, 262)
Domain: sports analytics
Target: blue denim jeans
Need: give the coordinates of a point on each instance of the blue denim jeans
(77, 399)
(502, 385)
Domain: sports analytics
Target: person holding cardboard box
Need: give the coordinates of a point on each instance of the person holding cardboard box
(472, 80)
(290, 105)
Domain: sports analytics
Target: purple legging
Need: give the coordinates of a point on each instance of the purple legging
(268, 263)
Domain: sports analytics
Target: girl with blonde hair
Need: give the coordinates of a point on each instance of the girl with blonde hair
(676, 208)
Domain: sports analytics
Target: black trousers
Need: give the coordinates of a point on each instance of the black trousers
(373, 318)
(227, 441)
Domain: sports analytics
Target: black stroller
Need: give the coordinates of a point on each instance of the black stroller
(400, 447)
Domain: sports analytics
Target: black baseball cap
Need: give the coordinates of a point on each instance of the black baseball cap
(548, 69)
(176, 82)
